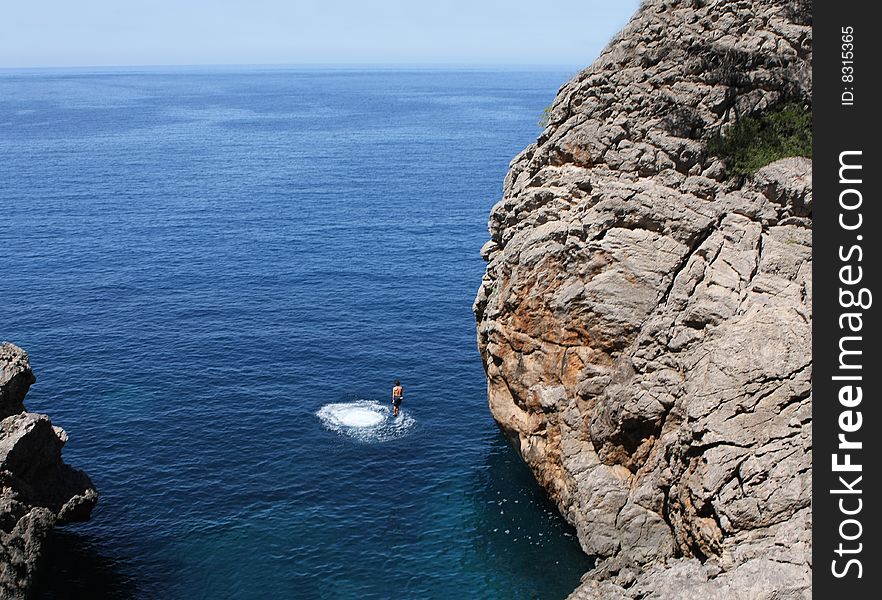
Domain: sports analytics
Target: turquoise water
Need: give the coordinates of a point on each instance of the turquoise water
(218, 275)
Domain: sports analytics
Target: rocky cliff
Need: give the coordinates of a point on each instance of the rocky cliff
(37, 489)
(645, 318)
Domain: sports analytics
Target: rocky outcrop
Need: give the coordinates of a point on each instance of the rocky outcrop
(645, 321)
(16, 378)
(37, 489)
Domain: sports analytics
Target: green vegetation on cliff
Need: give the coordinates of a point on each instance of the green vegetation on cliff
(545, 117)
(759, 139)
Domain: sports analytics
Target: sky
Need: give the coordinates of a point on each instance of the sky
(66, 33)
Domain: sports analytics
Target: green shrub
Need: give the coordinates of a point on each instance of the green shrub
(759, 139)
(545, 117)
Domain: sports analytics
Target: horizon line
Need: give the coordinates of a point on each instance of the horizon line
(309, 66)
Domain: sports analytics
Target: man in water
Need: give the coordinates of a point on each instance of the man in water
(397, 397)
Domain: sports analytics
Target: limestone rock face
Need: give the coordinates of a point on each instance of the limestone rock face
(37, 489)
(645, 322)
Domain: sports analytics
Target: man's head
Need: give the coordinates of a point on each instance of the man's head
(397, 382)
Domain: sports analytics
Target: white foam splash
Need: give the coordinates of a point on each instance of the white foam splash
(365, 420)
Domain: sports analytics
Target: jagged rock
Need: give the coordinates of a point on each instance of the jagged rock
(37, 489)
(788, 182)
(16, 378)
(21, 550)
(645, 322)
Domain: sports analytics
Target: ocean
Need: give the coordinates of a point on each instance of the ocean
(218, 274)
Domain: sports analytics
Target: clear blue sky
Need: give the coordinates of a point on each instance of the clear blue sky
(43, 33)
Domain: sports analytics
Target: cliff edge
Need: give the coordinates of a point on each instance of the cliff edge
(37, 489)
(645, 316)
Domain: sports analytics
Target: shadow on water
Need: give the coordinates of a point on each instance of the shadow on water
(526, 539)
(76, 568)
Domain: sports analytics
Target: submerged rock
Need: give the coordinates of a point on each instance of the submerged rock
(37, 489)
(645, 322)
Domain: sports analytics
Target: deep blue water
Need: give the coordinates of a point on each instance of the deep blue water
(198, 261)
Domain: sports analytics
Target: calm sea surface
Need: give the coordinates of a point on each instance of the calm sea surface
(218, 275)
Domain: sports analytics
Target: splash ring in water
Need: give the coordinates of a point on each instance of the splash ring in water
(365, 420)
